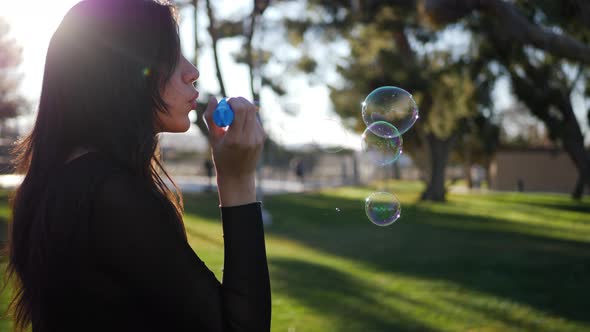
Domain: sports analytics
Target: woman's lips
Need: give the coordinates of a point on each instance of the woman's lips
(193, 101)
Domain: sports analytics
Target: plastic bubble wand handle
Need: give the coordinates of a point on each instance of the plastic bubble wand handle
(223, 115)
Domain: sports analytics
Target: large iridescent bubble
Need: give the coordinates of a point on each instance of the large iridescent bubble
(390, 104)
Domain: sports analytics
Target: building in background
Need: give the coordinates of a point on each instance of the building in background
(533, 169)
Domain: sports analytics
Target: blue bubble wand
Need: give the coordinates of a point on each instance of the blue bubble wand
(223, 115)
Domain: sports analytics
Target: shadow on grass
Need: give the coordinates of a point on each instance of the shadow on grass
(561, 202)
(571, 206)
(519, 262)
(349, 302)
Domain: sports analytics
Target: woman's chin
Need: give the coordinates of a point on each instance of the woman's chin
(173, 125)
(180, 127)
(183, 129)
(187, 125)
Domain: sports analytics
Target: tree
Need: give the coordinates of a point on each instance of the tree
(11, 102)
(558, 31)
(538, 75)
(385, 49)
(546, 94)
(510, 21)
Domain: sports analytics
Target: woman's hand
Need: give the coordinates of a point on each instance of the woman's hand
(236, 151)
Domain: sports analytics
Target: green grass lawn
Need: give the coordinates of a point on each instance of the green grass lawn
(480, 262)
(4, 216)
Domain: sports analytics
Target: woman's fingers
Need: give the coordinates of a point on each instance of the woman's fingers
(250, 127)
(242, 130)
(237, 154)
(260, 130)
(245, 130)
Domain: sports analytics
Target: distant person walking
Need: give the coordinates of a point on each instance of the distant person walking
(300, 170)
(97, 241)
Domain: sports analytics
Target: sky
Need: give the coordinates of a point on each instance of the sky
(309, 104)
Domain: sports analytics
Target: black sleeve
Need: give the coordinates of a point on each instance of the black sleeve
(135, 240)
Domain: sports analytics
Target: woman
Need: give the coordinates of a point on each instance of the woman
(97, 241)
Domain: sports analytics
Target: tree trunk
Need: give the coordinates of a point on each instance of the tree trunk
(250, 57)
(439, 154)
(200, 121)
(396, 171)
(579, 187)
(536, 92)
(487, 167)
(214, 38)
(196, 32)
(467, 166)
(582, 164)
(468, 177)
(355, 170)
(573, 143)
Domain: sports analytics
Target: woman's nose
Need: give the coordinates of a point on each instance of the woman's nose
(192, 74)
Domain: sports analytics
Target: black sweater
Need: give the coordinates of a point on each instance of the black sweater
(122, 265)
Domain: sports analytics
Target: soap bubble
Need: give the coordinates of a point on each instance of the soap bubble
(382, 208)
(390, 104)
(381, 143)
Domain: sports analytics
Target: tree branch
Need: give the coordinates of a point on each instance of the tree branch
(249, 55)
(513, 23)
(214, 38)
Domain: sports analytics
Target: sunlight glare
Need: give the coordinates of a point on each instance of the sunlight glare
(32, 30)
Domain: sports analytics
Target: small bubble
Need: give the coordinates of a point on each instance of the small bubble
(381, 143)
(382, 208)
(337, 209)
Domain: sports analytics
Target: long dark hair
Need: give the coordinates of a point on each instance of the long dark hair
(105, 70)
